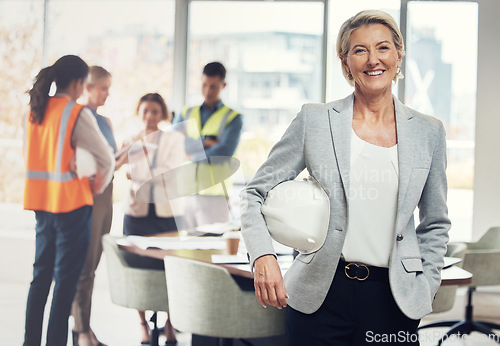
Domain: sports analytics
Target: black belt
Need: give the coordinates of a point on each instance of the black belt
(361, 272)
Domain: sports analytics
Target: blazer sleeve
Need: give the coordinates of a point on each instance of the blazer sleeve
(432, 232)
(285, 162)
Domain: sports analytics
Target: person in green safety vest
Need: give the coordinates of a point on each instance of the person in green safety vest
(212, 136)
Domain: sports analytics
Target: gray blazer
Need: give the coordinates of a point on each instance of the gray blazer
(319, 139)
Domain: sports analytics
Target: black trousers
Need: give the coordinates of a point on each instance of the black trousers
(353, 313)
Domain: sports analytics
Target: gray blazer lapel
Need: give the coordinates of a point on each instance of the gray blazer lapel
(406, 144)
(340, 116)
(341, 127)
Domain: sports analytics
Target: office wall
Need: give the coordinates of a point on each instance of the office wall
(487, 165)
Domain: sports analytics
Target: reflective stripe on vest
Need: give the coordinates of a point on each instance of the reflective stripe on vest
(52, 176)
(50, 185)
(62, 133)
(224, 122)
(214, 126)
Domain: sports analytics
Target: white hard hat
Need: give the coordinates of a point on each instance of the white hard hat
(86, 166)
(297, 214)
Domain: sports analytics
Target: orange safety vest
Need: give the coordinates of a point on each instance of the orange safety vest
(50, 185)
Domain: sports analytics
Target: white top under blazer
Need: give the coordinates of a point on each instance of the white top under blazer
(373, 200)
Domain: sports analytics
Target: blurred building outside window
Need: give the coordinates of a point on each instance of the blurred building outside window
(273, 54)
(441, 75)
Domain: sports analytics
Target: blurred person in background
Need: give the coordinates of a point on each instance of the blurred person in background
(211, 143)
(62, 202)
(98, 86)
(152, 213)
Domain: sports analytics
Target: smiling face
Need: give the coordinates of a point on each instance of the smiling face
(151, 114)
(372, 58)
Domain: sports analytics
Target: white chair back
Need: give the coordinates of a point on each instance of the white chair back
(137, 288)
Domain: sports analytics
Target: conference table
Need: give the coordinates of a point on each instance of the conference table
(450, 275)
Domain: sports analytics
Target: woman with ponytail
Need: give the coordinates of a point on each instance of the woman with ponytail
(62, 201)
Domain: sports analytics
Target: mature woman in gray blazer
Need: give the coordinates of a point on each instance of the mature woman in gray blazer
(376, 275)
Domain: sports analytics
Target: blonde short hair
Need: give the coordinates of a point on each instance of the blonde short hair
(366, 17)
(97, 73)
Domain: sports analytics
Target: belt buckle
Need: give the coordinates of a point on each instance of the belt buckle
(346, 268)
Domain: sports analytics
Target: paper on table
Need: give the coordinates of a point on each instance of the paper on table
(218, 227)
(449, 261)
(177, 243)
(235, 259)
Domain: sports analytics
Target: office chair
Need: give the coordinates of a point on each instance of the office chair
(445, 296)
(205, 300)
(136, 288)
(482, 259)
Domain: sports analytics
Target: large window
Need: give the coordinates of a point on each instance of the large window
(21, 45)
(131, 38)
(273, 54)
(441, 65)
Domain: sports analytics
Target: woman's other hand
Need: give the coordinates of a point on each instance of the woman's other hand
(268, 282)
(123, 157)
(120, 161)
